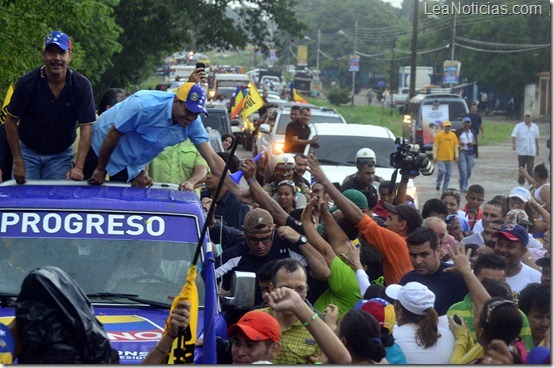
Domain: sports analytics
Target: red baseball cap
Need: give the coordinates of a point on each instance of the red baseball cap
(257, 326)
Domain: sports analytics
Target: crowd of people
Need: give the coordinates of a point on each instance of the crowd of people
(346, 273)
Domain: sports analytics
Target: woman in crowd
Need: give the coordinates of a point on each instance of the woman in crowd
(286, 195)
(227, 140)
(419, 334)
(359, 332)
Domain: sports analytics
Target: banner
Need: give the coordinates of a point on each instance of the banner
(294, 96)
(451, 74)
(252, 101)
(238, 102)
(182, 350)
(354, 63)
(5, 104)
(302, 55)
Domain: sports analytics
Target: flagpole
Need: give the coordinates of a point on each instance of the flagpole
(212, 205)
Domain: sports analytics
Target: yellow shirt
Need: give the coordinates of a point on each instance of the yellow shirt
(445, 146)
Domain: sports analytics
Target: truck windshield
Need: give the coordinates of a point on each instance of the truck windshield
(150, 270)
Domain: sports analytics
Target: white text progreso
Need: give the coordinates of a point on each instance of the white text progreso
(73, 223)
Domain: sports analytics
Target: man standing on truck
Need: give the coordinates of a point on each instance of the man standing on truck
(46, 105)
(132, 133)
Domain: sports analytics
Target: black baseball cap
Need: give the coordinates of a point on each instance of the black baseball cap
(407, 213)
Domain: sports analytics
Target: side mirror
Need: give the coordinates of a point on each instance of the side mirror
(235, 122)
(265, 128)
(243, 290)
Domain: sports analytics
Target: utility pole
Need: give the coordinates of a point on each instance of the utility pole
(353, 72)
(453, 38)
(413, 65)
(317, 55)
(392, 85)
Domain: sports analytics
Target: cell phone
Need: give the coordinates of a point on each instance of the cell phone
(457, 319)
(200, 65)
(449, 218)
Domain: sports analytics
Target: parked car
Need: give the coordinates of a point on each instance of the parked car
(103, 236)
(338, 147)
(272, 139)
(424, 114)
(217, 124)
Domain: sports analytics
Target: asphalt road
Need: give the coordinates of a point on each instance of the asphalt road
(496, 170)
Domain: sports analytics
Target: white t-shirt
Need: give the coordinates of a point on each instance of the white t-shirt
(525, 276)
(405, 337)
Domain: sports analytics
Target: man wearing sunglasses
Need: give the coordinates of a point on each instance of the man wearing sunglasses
(249, 249)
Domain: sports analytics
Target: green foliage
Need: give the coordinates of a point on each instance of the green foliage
(338, 96)
(24, 24)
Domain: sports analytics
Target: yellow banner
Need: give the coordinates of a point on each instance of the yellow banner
(182, 350)
(7, 99)
(252, 102)
(302, 55)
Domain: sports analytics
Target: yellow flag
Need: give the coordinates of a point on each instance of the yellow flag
(252, 102)
(182, 350)
(7, 99)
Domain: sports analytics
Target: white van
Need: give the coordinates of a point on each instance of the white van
(226, 82)
(425, 112)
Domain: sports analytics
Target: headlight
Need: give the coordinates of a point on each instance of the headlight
(211, 93)
(278, 148)
(407, 119)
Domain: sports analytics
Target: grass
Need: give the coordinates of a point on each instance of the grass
(496, 131)
(151, 82)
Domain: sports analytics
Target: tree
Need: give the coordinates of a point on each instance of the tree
(154, 29)
(25, 23)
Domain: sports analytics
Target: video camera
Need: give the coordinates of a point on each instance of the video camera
(409, 160)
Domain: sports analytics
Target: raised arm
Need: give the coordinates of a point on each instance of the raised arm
(348, 208)
(316, 262)
(315, 239)
(460, 257)
(260, 196)
(284, 299)
(337, 238)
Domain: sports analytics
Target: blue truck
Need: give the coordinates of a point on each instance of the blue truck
(128, 248)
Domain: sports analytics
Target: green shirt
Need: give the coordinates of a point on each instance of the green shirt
(343, 290)
(464, 309)
(176, 164)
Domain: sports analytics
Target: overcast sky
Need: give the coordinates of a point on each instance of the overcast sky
(396, 3)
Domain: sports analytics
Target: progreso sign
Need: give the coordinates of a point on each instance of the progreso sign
(117, 225)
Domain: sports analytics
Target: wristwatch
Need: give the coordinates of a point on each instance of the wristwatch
(301, 241)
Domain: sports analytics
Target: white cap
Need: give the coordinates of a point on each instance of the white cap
(286, 159)
(365, 153)
(413, 296)
(520, 193)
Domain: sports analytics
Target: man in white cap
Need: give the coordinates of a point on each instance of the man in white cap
(525, 141)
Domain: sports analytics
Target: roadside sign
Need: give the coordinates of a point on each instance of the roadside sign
(354, 63)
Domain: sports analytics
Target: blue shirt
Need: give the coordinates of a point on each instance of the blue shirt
(46, 123)
(448, 287)
(145, 120)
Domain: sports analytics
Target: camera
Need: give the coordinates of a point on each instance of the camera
(409, 160)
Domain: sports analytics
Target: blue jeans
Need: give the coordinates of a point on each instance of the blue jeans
(445, 170)
(49, 167)
(465, 164)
